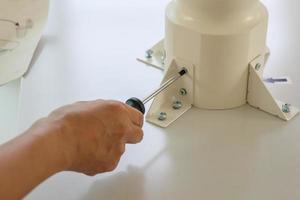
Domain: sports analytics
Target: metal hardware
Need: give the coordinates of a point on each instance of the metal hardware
(183, 92)
(149, 54)
(257, 66)
(162, 116)
(177, 105)
(286, 108)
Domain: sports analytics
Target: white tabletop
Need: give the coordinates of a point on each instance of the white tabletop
(9, 100)
(88, 51)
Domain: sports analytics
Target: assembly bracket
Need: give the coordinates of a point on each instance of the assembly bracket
(260, 97)
(175, 100)
(155, 56)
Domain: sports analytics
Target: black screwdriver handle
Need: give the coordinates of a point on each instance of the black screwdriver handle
(137, 104)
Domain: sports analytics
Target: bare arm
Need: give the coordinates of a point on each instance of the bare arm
(87, 137)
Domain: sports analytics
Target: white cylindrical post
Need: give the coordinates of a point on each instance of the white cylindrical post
(217, 7)
(220, 38)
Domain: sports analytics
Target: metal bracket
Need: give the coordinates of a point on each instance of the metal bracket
(155, 56)
(260, 97)
(175, 100)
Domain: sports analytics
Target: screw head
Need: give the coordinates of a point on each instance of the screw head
(286, 108)
(177, 105)
(183, 92)
(149, 54)
(257, 66)
(162, 116)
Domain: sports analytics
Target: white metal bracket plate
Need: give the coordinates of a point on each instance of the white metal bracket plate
(155, 56)
(175, 100)
(259, 96)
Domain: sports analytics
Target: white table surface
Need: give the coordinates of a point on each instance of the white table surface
(88, 51)
(9, 102)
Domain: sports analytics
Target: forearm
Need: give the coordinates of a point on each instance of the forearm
(28, 160)
(85, 137)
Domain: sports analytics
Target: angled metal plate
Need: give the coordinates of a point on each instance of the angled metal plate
(260, 97)
(155, 56)
(181, 91)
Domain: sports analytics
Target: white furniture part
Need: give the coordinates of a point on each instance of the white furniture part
(21, 27)
(220, 39)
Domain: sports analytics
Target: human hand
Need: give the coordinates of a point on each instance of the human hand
(92, 135)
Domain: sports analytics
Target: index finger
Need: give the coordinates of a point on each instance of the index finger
(136, 116)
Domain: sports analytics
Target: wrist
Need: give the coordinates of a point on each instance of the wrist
(47, 135)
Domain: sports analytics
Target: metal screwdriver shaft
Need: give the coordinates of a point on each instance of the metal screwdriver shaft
(165, 86)
(140, 105)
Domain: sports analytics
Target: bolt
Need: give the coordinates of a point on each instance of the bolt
(149, 54)
(177, 105)
(183, 92)
(162, 116)
(286, 108)
(258, 66)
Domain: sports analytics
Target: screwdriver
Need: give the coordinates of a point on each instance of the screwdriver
(140, 104)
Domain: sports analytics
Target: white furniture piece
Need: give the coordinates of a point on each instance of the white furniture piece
(223, 46)
(21, 25)
(88, 51)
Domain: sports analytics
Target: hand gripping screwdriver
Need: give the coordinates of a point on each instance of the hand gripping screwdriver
(140, 104)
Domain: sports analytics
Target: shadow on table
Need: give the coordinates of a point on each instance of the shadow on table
(123, 185)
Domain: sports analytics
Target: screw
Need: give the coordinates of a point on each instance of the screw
(183, 92)
(286, 108)
(258, 66)
(149, 54)
(177, 105)
(162, 116)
